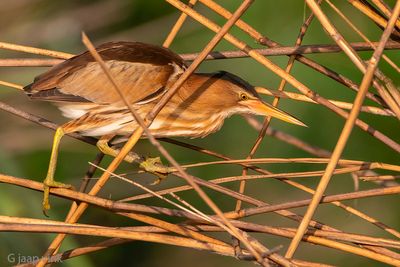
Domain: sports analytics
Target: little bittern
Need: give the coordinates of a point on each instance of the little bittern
(144, 74)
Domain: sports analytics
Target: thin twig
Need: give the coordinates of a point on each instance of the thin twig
(367, 79)
(365, 38)
(158, 107)
(264, 40)
(177, 26)
(341, 104)
(273, 51)
(36, 51)
(280, 72)
(275, 103)
(12, 85)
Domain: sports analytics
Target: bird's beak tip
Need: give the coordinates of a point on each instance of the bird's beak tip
(302, 124)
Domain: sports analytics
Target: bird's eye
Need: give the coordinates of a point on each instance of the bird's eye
(243, 97)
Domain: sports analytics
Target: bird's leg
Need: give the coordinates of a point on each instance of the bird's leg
(151, 165)
(49, 180)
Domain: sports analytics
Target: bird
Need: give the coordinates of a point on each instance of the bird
(144, 73)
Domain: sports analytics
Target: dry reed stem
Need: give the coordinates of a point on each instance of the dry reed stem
(93, 200)
(380, 165)
(383, 7)
(273, 51)
(173, 228)
(112, 232)
(285, 213)
(300, 144)
(116, 241)
(275, 103)
(7, 219)
(231, 21)
(288, 95)
(266, 229)
(341, 143)
(135, 115)
(193, 55)
(29, 62)
(387, 256)
(12, 85)
(262, 39)
(37, 51)
(365, 38)
(289, 139)
(192, 210)
(46, 123)
(92, 141)
(288, 176)
(167, 239)
(141, 208)
(394, 91)
(177, 26)
(105, 203)
(356, 59)
(291, 50)
(392, 97)
(74, 214)
(371, 13)
(341, 104)
(85, 183)
(251, 31)
(95, 189)
(379, 177)
(285, 137)
(228, 179)
(280, 72)
(151, 116)
(131, 207)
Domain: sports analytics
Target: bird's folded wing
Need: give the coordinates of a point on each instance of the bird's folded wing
(140, 70)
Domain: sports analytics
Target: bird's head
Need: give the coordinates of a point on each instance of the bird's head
(234, 95)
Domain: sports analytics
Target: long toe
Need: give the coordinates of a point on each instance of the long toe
(155, 166)
(47, 184)
(45, 202)
(57, 184)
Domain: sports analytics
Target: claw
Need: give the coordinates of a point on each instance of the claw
(158, 180)
(47, 184)
(45, 202)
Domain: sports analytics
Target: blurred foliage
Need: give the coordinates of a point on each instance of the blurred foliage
(25, 147)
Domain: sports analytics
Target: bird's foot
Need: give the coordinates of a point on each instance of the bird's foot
(155, 166)
(47, 184)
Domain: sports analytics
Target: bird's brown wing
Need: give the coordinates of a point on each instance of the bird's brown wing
(139, 69)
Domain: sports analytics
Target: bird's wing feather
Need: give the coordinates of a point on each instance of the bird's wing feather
(139, 69)
(54, 95)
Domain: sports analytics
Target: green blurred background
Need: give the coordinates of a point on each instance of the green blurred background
(25, 147)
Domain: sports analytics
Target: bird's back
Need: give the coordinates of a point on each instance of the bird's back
(140, 70)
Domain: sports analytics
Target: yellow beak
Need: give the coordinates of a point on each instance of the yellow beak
(261, 108)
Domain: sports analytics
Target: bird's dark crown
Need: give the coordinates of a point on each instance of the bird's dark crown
(236, 80)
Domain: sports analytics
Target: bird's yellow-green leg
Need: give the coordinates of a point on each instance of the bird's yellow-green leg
(49, 181)
(151, 165)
